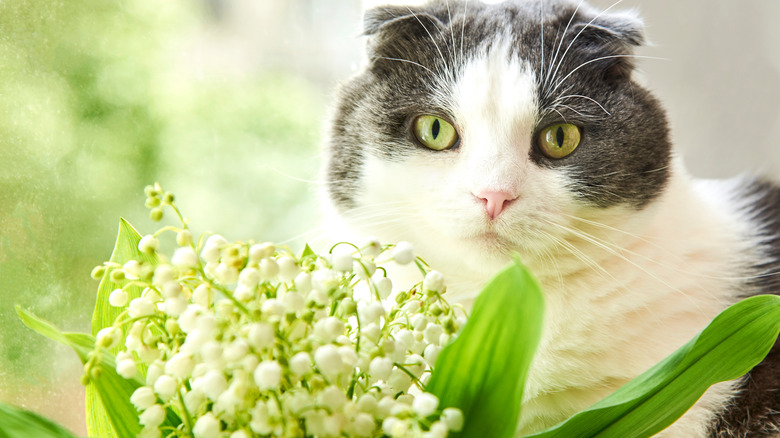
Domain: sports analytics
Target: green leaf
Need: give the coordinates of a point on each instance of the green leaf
(117, 417)
(734, 342)
(19, 423)
(126, 249)
(104, 315)
(483, 371)
(307, 252)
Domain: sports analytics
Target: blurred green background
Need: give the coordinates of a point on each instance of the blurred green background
(224, 101)
(99, 98)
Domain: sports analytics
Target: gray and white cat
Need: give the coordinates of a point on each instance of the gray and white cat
(478, 131)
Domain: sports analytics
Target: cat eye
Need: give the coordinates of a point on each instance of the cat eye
(434, 132)
(558, 141)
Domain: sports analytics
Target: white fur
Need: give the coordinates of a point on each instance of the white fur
(623, 288)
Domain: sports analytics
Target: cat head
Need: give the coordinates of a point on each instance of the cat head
(481, 129)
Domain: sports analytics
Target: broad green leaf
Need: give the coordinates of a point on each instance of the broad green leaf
(483, 371)
(112, 392)
(19, 423)
(104, 315)
(734, 342)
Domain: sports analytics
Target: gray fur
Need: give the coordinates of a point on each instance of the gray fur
(754, 411)
(625, 149)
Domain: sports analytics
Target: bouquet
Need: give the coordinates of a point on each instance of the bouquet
(208, 338)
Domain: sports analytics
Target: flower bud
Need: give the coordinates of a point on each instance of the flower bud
(184, 238)
(434, 281)
(453, 418)
(118, 298)
(268, 375)
(332, 397)
(329, 329)
(213, 384)
(156, 214)
(175, 306)
(140, 307)
(371, 312)
(432, 333)
(380, 368)
(97, 272)
(148, 244)
(153, 416)
(341, 258)
(294, 302)
(260, 251)
(419, 322)
(370, 247)
(269, 269)
(288, 268)
(203, 295)
(226, 274)
(152, 202)
(431, 353)
(383, 287)
(163, 274)
(363, 424)
(117, 275)
(143, 398)
(300, 364)
(185, 258)
(108, 337)
(261, 336)
(165, 387)
(207, 426)
(303, 282)
(328, 360)
(126, 368)
(367, 403)
(425, 404)
(272, 308)
(236, 350)
(403, 253)
(180, 365)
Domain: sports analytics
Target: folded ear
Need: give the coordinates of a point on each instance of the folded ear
(394, 30)
(608, 41)
(382, 17)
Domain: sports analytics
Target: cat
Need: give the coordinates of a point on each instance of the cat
(478, 131)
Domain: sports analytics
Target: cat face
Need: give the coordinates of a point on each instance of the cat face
(535, 112)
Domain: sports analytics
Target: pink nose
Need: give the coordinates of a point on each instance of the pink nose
(495, 202)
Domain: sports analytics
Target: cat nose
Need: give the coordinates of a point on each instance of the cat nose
(495, 202)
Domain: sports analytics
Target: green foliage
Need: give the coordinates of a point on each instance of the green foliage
(118, 418)
(484, 371)
(114, 415)
(19, 423)
(736, 341)
(99, 421)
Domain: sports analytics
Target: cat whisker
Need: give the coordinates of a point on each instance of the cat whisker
(569, 96)
(433, 40)
(410, 62)
(560, 61)
(579, 255)
(589, 116)
(550, 74)
(601, 58)
(617, 253)
(463, 29)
